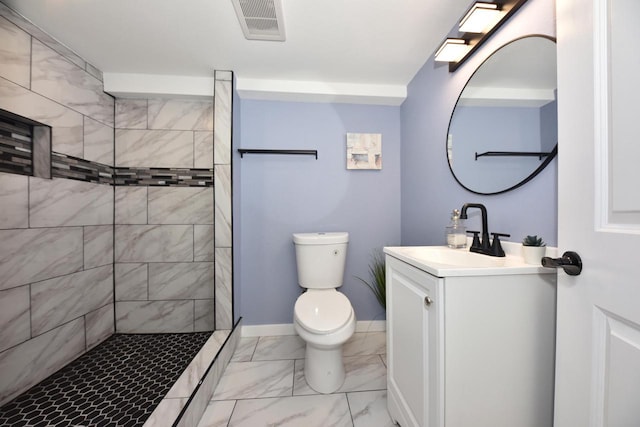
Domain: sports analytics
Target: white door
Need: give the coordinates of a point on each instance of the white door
(598, 335)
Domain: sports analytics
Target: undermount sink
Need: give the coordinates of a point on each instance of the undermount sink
(443, 261)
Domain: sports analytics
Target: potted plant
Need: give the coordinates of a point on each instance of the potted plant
(533, 249)
(377, 284)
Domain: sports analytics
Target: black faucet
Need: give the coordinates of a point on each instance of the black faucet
(483, 245)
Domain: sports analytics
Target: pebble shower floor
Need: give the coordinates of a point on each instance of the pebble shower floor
(118, 383)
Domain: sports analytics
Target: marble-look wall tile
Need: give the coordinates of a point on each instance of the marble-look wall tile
(98, 142)
(35, 31)
(179, 114)
(154, 316)
(15, 53)
(203, 243)
(224, 301)
(154, 243)
(14, 200)
(53, 76)
(203, 150)
(94, 71)
(56, 301)
(59, 202)
(32, 361)
(131, 281)
(31, 255)
(41, 153)
(67, 133)
(99, 325)
(205, 319)
(131, 113)
(98, 246)
(222, 178)
(14, 317)
(222, 126)
(180, 205)
(189, 280)
(131, 205)
(154, 148)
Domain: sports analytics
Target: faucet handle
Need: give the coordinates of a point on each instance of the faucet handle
(496, 247)
(475, 244)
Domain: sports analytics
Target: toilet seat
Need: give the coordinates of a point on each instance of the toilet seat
(323, 312)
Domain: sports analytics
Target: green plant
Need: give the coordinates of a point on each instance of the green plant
(377, 271)
(533, 241)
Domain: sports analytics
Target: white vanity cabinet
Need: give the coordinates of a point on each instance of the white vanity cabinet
(469, 350)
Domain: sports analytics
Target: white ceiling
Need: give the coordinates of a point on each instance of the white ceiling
(364, 44)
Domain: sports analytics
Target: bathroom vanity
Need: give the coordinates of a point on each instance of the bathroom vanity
(470, 338)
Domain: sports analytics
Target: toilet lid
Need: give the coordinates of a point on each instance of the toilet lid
(322, 311)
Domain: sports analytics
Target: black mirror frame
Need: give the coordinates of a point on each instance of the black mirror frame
(552, 155)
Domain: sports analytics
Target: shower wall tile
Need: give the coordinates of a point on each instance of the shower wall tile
(98, 142)
(15, 50)
(14, 200)
(203, 150)
(35, 31)
(99, 325)
(222, 137)
(14, 317)
(98, 246)
(205, 319)
(32, 361)
(63, 202)
(222, 178)
(37, 254)
(56, 301)
(131, 113)
(95, 72)
(154, 148)
(224, 302)
(154, 316)
(177, 114)
(42, 161)
(203, 243)
(180, 205)
(67, 133)
(131, 205)
(153, 243)
(55, 77)
(131, 281)
(193, 280)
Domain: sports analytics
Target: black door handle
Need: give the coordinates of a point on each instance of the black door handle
(570, 263)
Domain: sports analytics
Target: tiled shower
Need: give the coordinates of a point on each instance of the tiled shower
(130, 234)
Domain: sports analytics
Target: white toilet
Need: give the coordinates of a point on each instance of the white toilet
(322, 316)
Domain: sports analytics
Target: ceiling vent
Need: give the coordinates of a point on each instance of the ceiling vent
(260, 19)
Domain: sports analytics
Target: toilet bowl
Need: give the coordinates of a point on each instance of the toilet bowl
(323, 317)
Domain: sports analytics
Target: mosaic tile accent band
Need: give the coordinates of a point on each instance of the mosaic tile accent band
(118, 383)
(15, 147)
(70, 167)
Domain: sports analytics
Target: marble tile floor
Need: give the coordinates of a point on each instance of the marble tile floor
(264, 385)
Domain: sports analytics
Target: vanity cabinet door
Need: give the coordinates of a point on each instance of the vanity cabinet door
(412, 345)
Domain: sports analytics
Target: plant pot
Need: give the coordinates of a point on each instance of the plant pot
(533, 254)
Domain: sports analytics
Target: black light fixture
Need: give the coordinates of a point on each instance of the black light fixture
(476, 26)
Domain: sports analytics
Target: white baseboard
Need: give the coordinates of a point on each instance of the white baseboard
(287, 328)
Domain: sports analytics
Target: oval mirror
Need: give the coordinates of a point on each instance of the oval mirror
(504, 127)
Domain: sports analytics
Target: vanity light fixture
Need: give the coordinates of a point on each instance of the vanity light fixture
(452, 50)
(480, 18)
(478, 24)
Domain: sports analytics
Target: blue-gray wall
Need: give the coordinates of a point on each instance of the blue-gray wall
(429, 191)
(281, 195)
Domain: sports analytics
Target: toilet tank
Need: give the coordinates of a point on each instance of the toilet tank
(320, 258)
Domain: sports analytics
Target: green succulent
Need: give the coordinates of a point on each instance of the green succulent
(377, 272)
(533, 241)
